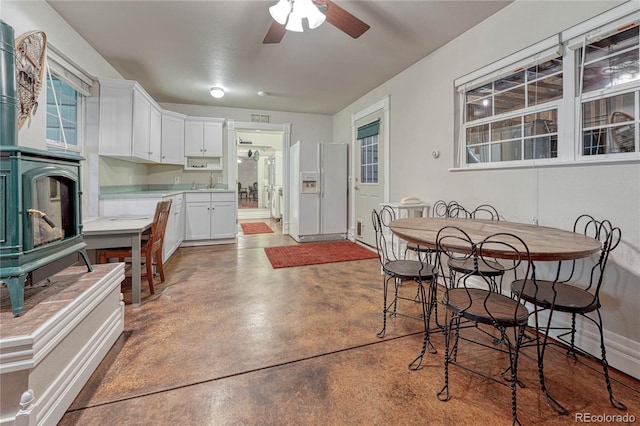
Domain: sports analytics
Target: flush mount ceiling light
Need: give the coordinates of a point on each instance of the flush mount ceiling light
(217, 92)
(296, 11)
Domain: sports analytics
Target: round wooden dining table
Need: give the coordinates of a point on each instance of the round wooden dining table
(544, 243)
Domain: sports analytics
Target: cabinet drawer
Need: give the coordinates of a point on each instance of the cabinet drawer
(197, 197)
(223, 196)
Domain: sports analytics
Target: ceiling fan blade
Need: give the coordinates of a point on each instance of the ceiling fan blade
(275, 33)
(343, 20)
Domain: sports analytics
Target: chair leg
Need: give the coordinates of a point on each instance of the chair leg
(160, 265)
(149, 266)
(426, 315)
(605, 366)
(385, 284)
(443, 394)
(513, 357)
(540, 347)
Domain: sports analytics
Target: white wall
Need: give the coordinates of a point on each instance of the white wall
(422, 110)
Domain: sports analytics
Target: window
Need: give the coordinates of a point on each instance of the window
(369, 159)
(609, 80)
(63, 114)
(515, 116)
(68, 86)
(368, 138)
(512, 112)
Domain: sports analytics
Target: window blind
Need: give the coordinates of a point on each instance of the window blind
(369, 129)
(68, 72)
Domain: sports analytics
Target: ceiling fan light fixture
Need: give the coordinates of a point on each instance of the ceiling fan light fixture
(280, 11)
(217, 92)
(295, 22)
(311, 12)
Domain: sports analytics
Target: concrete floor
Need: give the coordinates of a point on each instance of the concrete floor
(227, 340)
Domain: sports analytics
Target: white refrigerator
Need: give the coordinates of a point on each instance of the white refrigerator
(318, 176)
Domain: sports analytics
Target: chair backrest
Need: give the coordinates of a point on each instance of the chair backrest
(451, 209)
(483, 252)
(485, 211)
(439, 209)
(385, 239)
(452, 236)
(456, 210)
(159, 225)
(608, 235)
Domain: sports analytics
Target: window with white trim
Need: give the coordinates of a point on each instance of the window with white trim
(67, 89)
(515, 116)
(608, 86)
(513, 112)
(64, 118)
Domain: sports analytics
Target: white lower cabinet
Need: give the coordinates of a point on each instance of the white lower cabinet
(146, 206)
(210, 216)
(174, 234)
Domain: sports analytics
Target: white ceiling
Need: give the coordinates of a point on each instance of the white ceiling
(177, 50)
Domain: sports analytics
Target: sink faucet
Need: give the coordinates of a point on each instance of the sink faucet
(211, 185)
(193, 185)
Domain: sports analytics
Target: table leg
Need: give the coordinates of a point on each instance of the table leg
(135, 269)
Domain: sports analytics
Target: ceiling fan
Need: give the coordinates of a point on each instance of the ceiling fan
(334, 14)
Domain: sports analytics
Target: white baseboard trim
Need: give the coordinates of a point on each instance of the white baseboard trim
(623, 354)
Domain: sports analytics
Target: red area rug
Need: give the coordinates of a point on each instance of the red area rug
(255, 228)
(315, 253)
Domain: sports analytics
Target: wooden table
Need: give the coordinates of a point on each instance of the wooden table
(112, 232)
(544, 243)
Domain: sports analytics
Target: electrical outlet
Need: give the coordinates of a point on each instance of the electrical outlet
(176, 180)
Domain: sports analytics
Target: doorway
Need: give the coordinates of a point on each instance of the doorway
(255, 151)
(370, 166)
(251, 149)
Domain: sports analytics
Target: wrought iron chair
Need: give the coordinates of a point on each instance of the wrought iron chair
(574, 298)
(401, 270)
(476, 313)
(151, 247)
(488, 267)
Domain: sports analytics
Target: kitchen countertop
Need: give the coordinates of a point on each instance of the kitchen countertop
(158, 193)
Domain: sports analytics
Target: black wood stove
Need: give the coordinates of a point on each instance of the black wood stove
(40, 195)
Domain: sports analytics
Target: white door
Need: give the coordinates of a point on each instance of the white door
(368, 176)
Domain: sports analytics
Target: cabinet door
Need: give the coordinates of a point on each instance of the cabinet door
(172, 139)
(170, 232)
(180, 224)
(223, 220)
(115, 120)
(193, 138)
(198, 226)
(212, 139)
(155, 132)
(141, 125)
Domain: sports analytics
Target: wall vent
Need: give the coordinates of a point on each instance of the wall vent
(260, 118)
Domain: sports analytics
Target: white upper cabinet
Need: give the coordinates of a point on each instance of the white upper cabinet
(130, 122)
(203, 137)
(172, 138)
